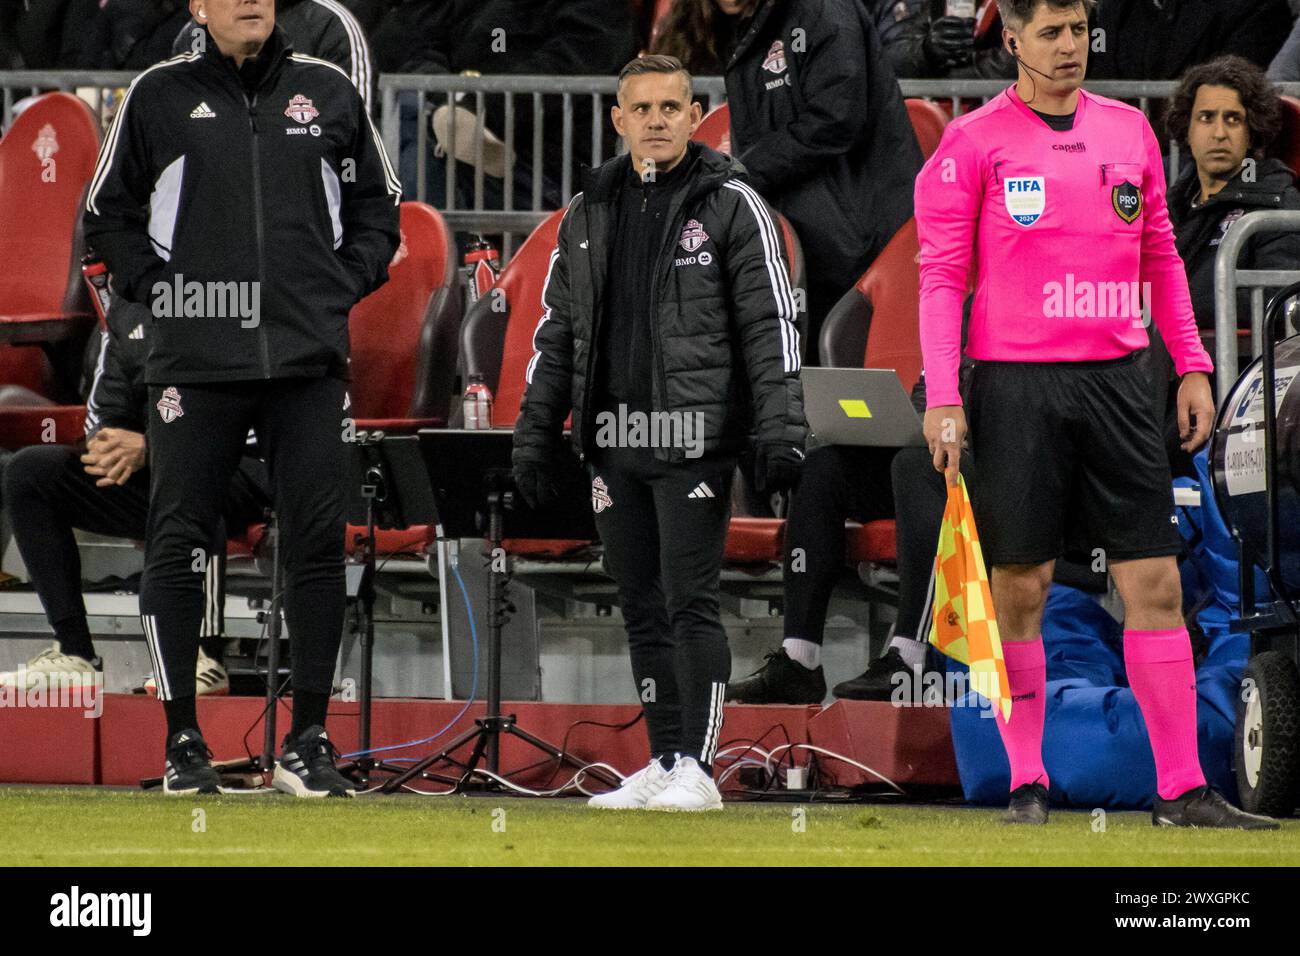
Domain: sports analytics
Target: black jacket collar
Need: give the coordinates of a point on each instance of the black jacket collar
(256, 70)
(1272, 178)
(704, 170)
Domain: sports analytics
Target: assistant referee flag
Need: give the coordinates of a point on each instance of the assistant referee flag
(965, 627)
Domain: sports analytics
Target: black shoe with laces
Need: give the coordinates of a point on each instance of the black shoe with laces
(878, 682)
(1206, 807)
(780, 681)
(306, 767)
(1028, 804)
(189, 766)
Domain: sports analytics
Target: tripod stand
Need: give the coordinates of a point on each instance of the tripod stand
(486, 735)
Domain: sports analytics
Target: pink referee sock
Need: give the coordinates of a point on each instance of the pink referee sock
(1023, 734)
(1160, 671)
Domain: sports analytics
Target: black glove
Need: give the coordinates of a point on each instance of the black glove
(536, 484)
(776, 467)
(950, 42)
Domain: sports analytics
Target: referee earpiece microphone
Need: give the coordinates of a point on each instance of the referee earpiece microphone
(1016, 53)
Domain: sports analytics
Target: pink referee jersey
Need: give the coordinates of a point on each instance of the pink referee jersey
(1070, 234)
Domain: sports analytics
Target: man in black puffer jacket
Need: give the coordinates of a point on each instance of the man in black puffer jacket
(819, 122)
(668, 330)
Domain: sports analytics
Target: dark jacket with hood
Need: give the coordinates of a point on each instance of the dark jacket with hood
(818, 121)
(267, 181)
(1199, 231)
(723, 338)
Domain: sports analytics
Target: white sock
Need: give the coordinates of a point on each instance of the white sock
(807, 653)
(910, 650)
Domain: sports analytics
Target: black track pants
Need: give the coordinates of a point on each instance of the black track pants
(192, 457)
(664, 527)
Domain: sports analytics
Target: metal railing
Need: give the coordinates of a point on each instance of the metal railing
(521, 202)
(1228, 279)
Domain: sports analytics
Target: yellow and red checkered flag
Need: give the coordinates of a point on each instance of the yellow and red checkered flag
(965, 627)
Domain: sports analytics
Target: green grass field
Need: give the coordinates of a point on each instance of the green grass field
(88, 827)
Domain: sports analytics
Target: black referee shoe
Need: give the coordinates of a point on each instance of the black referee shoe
(306, 767)
(780, 681)
(189, 766)
(1206, 807)
(1028, 804)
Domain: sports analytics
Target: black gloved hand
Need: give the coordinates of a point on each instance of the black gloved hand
(776, 467)
(535, 482)
(950, 42)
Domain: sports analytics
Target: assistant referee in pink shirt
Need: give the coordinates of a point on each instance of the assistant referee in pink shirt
(1060, 197)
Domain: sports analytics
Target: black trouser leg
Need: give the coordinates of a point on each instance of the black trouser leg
(192, 458)
(301, 424)
(47, 494)
(836, 483)
(693, 508)
(629, 531)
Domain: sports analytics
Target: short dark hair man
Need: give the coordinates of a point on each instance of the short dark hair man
(243, 193)
(667, 306)
(1060, 195)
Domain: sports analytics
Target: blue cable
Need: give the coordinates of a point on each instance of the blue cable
(473, 688)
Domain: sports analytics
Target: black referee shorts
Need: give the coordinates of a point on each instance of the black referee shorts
(1069, 457)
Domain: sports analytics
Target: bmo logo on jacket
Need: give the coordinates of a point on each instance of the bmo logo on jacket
(775, 63)
(1025, 198)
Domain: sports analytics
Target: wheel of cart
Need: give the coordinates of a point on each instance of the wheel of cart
(1255, 463)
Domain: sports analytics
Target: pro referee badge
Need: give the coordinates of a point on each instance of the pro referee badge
(169, 406)
(1026, 198)
(600, 499)
(1126, 200)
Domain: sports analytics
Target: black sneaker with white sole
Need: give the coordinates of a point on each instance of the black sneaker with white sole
(882, 680)
(306, 767)
(1206, 807)
(189, 766)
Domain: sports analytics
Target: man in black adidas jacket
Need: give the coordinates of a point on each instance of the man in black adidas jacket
(668, 330)
(244, 195)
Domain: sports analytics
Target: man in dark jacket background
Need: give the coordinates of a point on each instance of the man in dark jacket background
(818, 121)
(243, 194)
(668, 330)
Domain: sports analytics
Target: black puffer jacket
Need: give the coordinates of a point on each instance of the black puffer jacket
(723, 334)
(818, 121)
(1199, 231)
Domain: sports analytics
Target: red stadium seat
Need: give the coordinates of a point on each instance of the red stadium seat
(714, 130)
(1286, 146)
(928, 120)
(46, 159)
(404, 334)
(404, 349)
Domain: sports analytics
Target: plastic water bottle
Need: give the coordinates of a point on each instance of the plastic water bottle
(478, 404)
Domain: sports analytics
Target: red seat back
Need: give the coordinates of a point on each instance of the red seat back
(1286, 146)
(928, 120)
(877, 322)
(46, 159)
(661, 8)
(404, 333)
(714, 130)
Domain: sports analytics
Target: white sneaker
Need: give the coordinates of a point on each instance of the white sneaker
(636, 789)
(52, 668)
(210, 679)
(689, 788)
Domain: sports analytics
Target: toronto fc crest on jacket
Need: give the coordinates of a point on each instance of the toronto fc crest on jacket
(283, 148)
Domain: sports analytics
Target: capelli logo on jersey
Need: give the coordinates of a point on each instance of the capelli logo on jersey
(1078, 147)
